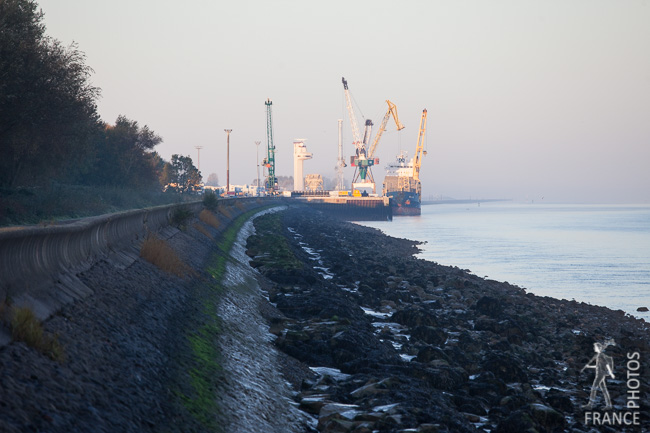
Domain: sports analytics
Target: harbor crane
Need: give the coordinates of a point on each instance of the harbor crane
(362, 174)
(269, 161)
(364, 158)
(419, 150)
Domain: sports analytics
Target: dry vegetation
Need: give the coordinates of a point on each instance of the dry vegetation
(209, 218)
(27, 328)
(225, 212)
(158, 252)
(203, 230)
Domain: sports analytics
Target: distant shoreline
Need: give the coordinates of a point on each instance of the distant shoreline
(454, 201)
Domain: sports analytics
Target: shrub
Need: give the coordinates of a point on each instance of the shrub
(180, 215)
(210, 200)
(157, 252)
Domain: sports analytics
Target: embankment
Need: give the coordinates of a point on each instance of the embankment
(136, 349)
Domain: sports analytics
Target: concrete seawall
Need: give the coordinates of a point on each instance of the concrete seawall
(38, 264)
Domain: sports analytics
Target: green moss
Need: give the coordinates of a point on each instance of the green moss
(204, 371)
(270, 248)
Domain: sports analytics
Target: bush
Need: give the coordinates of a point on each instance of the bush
(210, 200)
(180, 215)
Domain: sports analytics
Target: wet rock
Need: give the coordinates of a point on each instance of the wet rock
(549, 419)
(489, 306)
(559, 400)
(429, 335)
(504, 367)
(518, 422)
(413, 317)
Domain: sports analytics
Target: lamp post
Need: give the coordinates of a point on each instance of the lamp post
(228, 131)
(198, 160)
(257, 190)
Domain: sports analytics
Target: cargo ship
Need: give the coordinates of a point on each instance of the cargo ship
(402, 182)
(402, 188)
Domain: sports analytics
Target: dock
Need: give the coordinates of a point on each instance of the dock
(350, 208)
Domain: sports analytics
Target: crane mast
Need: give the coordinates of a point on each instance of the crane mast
(340, 161)
(419, 150)
(269, 161)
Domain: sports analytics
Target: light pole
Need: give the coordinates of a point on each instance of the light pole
(228, 131)
(257, 144)
(198, 160)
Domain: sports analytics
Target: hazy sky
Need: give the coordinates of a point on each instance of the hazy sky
(525, 99)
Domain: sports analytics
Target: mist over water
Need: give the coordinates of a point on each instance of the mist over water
(599, 254)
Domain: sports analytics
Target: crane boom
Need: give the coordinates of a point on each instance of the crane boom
(392, 109)
(353, 120)
(419, 150)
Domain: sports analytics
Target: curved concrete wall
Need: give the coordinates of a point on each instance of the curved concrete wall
(34, 259)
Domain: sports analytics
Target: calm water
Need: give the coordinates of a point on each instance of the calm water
(598, 254)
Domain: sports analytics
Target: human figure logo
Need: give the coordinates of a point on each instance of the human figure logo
(604, 366)
(604, 369)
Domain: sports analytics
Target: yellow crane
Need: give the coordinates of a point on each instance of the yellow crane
(419, 150)
(392, 109)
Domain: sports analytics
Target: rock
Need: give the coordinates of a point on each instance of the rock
(489, 306)
(504, 367)
(429, 335)
(548, 418)
(517, 422)
(413, 316)
(642, 309)
(559, 400)
(348, 411)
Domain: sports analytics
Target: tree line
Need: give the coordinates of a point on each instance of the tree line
(49, 125)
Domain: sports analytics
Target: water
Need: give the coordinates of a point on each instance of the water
(599, 254)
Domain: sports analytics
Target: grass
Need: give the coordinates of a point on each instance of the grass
(158, 252)
(27, 328)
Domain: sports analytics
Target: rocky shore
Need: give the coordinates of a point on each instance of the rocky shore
(398, 344)
(341, 330)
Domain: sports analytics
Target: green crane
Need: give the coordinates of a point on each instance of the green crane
(269, 161)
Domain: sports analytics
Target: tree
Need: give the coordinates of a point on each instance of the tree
(184, 173)
(125, 156)
(47, 106)
(213, 180)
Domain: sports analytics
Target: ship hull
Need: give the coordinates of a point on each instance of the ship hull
(404, 202)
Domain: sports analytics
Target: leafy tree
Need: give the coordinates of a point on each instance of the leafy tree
(213, 180)
(184, 173)
(48, 116)
(125, 155)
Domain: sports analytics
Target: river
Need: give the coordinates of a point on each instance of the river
(598, 254)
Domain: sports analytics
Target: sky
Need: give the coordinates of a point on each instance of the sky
(526, 100)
